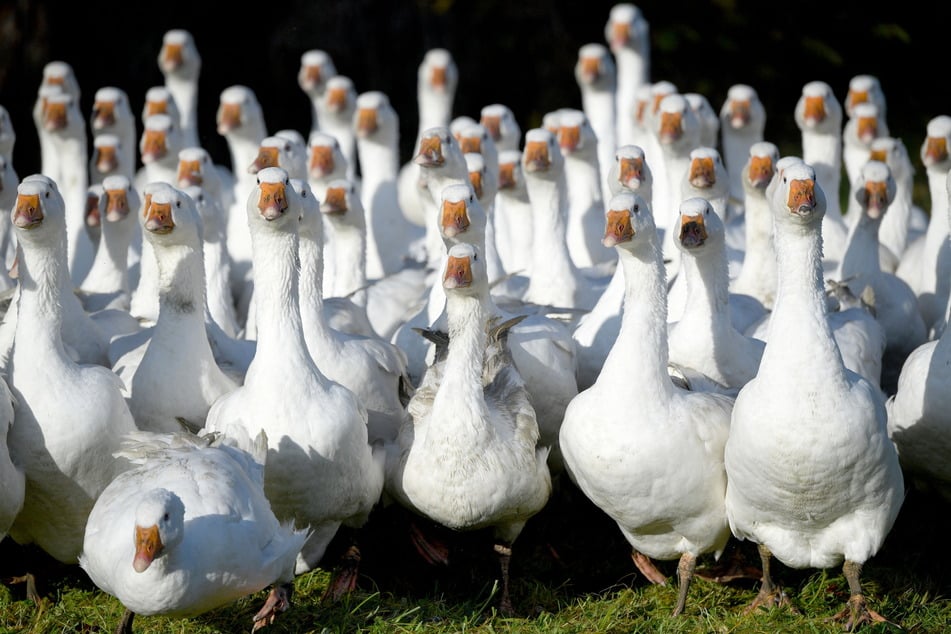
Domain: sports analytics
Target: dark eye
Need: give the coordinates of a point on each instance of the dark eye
(165, 517)
(475, 257)
(178, 204)
(637, 208)
(303, 193)
(47, 194)
(471, 198)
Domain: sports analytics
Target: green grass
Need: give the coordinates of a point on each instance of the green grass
(571, 574)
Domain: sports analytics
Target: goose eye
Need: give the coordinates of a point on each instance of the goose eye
(165, 517)
(471, 198)
(303, 193)
(47, 194)
(178, 204)
(475, 257)
(637, 208)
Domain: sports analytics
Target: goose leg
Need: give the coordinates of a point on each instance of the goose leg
(125, 624)
(344, 578)
(30, 580)
(856, 612)
(278, 600)
(504, 551)
(770, 594)
(685, 569)
(648, 569)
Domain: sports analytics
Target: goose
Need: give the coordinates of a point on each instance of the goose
(922, 257)
(389, 231)
(107, 283)
(757, 274)
(597, 78)
(649, 120)
(173, 380)
(864, 126)
(708, 118)
(58, 77)
(316, 69)
(580, 147)
(197, 170)
(159, 147)
(281, 151)
(372, 368)
(316, 428)
(468, 456)
(597, 329)
(240, 121)
(105, 158)
(500, 121)
(704, 338)
(617, 433)
(742, 125)
(918, 421)
(159, 100)
(188, 529)
(112, 115)
(811, 490)
(544, 168)
(66, 128)
(338, 107)
(865, 88)
(896, 305)
(12, 478)
(676, 130)
(897, 229)
(9, 181)
(180, 64)
(8, 134)
(513, 216)
(63, 438)
(818, 115)
(627, 33)
(436, 82)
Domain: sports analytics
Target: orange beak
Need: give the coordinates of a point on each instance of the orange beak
(454, 219)
(171, 56)
(430, 152)
(671, 128)
(156, 107)
(229, 117)
(103, 114)
(493, 124)
(27, 213)
(105, 159)
(158, 218)
(536, 157)
(617, 228)
(936, 150)
(569, 138)
(335, 202)
(739, 113)
(760, 171)
(814, 110)
(701, 173)
(506, 176)
(693, 233)
(153, 145)
(458, 273)
(267, 157)
(366, 122)
(148, 546)
(470, 144)
(802, 196)
(630, 171)
(876, 195)
(54, 116)
(117, 204)
(92, 210)
(272, 202)
(189, 173)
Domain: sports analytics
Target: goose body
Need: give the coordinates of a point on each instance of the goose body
(12, 479)
(180, 64)
(616, 431)
(742, 124)
(627, 33)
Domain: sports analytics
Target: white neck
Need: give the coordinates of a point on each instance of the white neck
(554, 282)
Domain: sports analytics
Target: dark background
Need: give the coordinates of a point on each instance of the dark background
(517, 52)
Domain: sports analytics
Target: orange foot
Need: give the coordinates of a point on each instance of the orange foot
(278, 600)
(769, 597)
(856, 613)
(344, 580)
(648, 569)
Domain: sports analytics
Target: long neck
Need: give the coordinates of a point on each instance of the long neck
(42, 271)
(349, 263)
(110, 271)
(550, 249)
(894, 231)
(181, 289)
(708, 306)
(632, 73)
(758, 274)
(823, 151)
(435, 110)
(243, 144)
(799, 334)
(379, 163)
(640, 353)
(185, 93)
(313, 320)
(937, 232)
(861, 255)
(436, 180)
(461, 388)
(599, 106)
(279, 332)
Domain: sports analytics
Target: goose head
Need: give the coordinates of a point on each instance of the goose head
(461, 216)
(499, 120)
(656, 93)
(8, 135)
(158, 100)
(865, 123)
(161, 139)
(818, 109)
(595, 69)
(892, 151)
(798, 198)
(575, 135)
(484, 181)
(626, 28)
(271, 200)
(311, 223)
(874, 190)
(510, 171)
(39, 214)
(630, 171)
(340, 96)
(196, 168)
(542, 157)
(935, 147)
(675, 124)
(159, 527)
(341, 204)
(375, 119)
(316, 67)
(179, 57)
(105, 154)
(439, 150)
(325, 159)
(708, 118)
(699, 227)
(743, 109)
(781, 165)
(119, 198)
(628, 222)
(238, 106)
(465, 272)
(277, 151)
(110, 106)
(438, 74)
(61, 114)
(706, 170)
(475, 138)
(864, 89)
(60, 74)
(169, 217)
(760, 166)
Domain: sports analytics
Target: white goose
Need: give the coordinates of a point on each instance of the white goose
(819, 116)
(865, 124)
(436, 82)
(188, 529)
(898, 227)
(597, 329)
(180, 64)
(338, 107)
(107, 283)
(173, 379)
(373, 369)
(112, 115)
(12, 479)
(316, 428)
(865, 88)
(617, 434)
(469, 457)
(811, 489)
(896, 305)
(58, 77)
(500, 121)
(63, 437)
(316, 69)
(664, 197)
(742, 124)
(628, 35)
(283, 151)
(513, 216)
(581, 149)
(704, 338)
(389, 231)
(196, 170)
(597, 78)
(9, 181)
(757, 275)
(708, 118)
(923, 256)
